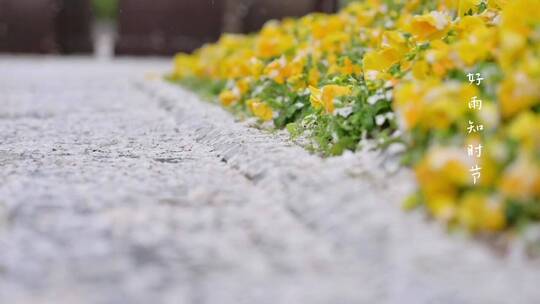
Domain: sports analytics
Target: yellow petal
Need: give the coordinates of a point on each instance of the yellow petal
(260, 109)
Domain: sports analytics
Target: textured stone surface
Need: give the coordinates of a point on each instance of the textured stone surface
(116, 188)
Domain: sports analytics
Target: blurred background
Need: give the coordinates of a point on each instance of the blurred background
(136, 27)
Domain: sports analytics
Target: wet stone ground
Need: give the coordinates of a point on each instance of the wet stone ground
(116, 187)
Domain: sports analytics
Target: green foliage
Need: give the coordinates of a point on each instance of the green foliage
(105, 9)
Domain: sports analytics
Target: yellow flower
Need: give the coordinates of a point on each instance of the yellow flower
(467, 24)
(395, 40)
(228, 98)
(313, 76)
(448, 5)
(420, 69)
(466, 6)
(438, 57)
(440, 173)
(442, 208)
(315, 97)
(429, 26)
(431, 104)
(184, 66)
(325, 25)
(516, 29)
(260, 109)
(393, 47)
(477, 211)
(364, 12)
(256, 67)
(380, 61)
(350, 68)
(278, 70)
(518, 92)
(243, 85)
(233, 41)
(347, 67)
(237, 65)
(526, 129)
(408, 105)
(497, 4)
(451, 163)
(335, 42)
(476, 40)
(521, 180)
(272, 42)
(520, 15)
(324, 98)
(530, 64)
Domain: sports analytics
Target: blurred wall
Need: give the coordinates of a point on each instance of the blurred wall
(73, 26)
(28, 26)
(145, 27)
(164, 27)
(168, 26)
(45, 26)
(260, 11)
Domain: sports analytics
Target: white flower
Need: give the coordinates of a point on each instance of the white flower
(345, 111)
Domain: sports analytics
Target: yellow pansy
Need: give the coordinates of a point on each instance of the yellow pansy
(521, 180)
(260, 109)
(272, 42)
(525, 128)
(429, 26)
(323, 26)
(364, 12)
(296, 66)
(395, 40)
(256, 67)
(430, 104)
(335, 42)
(233, 41)
(530, 64)
(518, 92)
(349, 68)
(441, 172)
(466, 6)
(408, 105)
(381, 60)
(438, 56)
(314, 76)
(448, 5)
(497, 4)
(243, 85)
(297, 83)
(516, 29)
(442, 207)
(228, 98)
(478, 211)
(420, 69)
(393, 47)
(278, 70)
(315, 97)
(324, 98)
(476, 40)
(519, 15)
(511, 47)
(184, 66)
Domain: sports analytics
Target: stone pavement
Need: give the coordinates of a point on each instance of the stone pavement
(116, 187)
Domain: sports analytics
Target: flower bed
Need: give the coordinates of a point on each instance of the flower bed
(458, 82)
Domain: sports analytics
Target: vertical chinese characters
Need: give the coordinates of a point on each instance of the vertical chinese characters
(475, 150)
